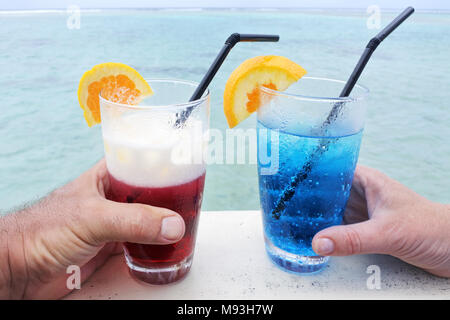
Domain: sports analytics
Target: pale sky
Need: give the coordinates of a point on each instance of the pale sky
(62, 4)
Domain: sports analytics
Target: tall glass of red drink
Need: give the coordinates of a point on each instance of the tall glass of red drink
(155, 160)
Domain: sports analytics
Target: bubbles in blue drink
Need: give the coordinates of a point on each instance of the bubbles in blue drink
(319, 200)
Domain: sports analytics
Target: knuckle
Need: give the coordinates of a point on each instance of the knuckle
(93, 206)
(136, 222)
(352, 241)
(394, 235)
(89, 220)
(139, 223)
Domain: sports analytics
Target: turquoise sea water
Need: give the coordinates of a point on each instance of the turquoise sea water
(44, 141)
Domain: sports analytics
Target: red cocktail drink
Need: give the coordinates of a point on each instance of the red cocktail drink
(153, 159)
(185, 199)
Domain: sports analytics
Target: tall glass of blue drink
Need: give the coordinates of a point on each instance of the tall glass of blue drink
(306, 161)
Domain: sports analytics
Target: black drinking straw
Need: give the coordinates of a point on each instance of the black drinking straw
(229, 44)
(301, 175)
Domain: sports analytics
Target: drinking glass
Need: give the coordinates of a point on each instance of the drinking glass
(306, 160)
(154, 159)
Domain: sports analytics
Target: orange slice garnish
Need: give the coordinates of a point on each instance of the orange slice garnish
(242, 90)
(117, 82)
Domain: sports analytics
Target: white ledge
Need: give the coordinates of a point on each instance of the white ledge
(230, 263)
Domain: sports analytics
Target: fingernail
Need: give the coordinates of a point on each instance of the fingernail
(172, 228)
(325, 246)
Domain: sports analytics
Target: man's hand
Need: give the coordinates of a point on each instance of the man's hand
(74, 225)
(383, 216)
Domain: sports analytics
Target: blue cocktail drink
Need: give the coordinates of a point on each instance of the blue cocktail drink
(319, 201)
(291, 131)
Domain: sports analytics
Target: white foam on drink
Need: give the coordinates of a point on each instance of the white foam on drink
(146, 151)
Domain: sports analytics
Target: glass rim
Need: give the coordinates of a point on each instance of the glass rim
(174, 106)
(351, 98)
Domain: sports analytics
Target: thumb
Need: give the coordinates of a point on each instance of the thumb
(345, 240)
(138, 223)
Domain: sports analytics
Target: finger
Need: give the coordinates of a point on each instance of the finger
(138, 223)
(356, 207)
(98, 261)
(358, 176)
(358, 238)
(99, 169)
(117, 248)
(101, 177)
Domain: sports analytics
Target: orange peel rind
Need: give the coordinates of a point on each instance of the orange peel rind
(116, 81)
(241, 96)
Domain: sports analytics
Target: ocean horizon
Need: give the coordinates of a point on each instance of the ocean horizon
(194, 9)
